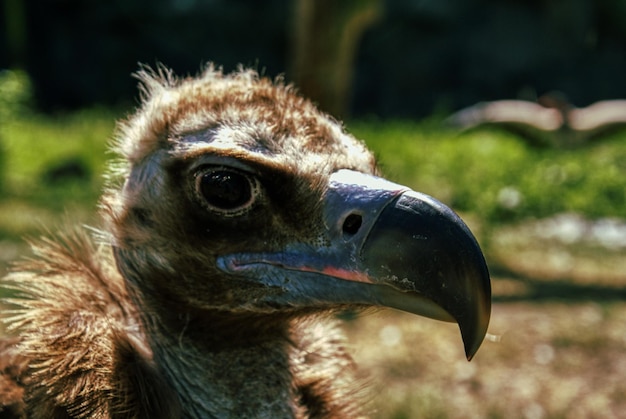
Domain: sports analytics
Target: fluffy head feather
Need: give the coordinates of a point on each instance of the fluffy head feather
(102, 326)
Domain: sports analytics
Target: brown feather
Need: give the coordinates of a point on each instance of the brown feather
(80, 336)
(142, 325)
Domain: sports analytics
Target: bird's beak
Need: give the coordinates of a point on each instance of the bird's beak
(385, 245)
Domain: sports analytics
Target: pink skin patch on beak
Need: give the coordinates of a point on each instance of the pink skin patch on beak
(330, 271)
(339, 273)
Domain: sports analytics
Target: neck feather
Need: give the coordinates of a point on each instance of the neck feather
(227, 369)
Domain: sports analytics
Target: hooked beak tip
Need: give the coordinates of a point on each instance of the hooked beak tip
(421, 240)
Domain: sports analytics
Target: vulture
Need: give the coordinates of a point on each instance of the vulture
(237, 221)
(550, 122)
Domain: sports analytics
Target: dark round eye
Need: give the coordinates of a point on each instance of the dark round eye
(226, 190)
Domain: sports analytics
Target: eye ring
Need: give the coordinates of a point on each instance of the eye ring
(226, 191)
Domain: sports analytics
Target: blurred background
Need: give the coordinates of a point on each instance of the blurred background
(413, 79)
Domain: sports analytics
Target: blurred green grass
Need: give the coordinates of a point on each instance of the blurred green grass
(51, 165)
(48, 163)
(493, 175)
(496, 175)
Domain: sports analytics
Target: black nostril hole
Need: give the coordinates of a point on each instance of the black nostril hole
(352, 224)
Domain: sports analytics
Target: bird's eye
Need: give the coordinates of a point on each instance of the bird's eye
(226, 191)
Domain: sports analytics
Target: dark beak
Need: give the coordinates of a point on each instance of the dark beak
(416, 246)
(385, 245)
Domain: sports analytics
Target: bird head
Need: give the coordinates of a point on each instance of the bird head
(239, 196)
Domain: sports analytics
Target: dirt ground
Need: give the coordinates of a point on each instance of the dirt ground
(542, 360)
(556, 346)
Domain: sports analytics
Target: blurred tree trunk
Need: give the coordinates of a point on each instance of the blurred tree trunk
(326, 35)
(14, 26)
